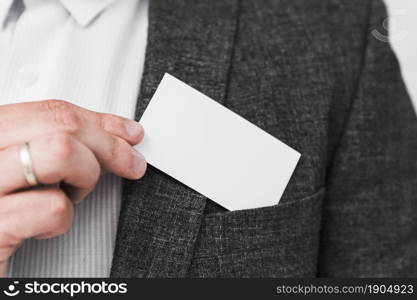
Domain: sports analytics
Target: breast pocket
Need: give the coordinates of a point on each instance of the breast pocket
(275, 241)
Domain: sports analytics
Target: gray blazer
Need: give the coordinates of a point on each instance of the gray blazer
(312, 74)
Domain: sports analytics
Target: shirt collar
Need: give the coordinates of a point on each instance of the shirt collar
(84, 11)
(5, 6)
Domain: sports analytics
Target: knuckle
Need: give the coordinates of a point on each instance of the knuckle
(108, 121)
(93, 177)
(59, 204)
(63, 114)
(61, 146)
(61, 213)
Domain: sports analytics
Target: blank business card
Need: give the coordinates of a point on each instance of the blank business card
(213, 150)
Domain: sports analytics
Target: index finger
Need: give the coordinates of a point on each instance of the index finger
(20, 122)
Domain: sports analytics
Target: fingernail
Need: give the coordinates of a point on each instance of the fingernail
(133, 128)
(139, 164)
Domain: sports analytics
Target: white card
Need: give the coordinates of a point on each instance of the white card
(212, 150)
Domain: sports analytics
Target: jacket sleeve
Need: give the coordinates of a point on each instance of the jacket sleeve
(369, 217)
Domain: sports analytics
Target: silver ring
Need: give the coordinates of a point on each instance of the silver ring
(27, 165)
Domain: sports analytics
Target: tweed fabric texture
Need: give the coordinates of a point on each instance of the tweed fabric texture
(311, 74)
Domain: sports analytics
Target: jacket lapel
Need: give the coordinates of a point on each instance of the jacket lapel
(160, 217)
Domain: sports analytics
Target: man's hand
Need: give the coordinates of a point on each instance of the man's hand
(70, 148)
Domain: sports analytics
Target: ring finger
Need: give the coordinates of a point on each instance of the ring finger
(55, 158)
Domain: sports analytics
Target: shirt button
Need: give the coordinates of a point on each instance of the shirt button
(27, 78)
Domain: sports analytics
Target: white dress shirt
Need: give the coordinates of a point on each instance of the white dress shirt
(90, 53)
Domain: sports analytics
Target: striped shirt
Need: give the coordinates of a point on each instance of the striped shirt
(90, 53)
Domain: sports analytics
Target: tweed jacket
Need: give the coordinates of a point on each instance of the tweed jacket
(312, 74)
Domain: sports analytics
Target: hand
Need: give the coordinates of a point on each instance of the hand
(70, 148)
